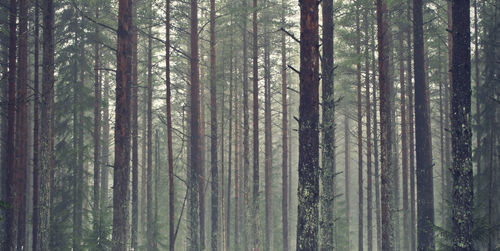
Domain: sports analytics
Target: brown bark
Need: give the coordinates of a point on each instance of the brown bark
(36, 126)
(121, 174)
(213, 134)
(425, 187)
(135, 135)
(461, 133)
(386, 127)
(196, 151)
(12, 174)
(308, 192)
(360, 132)
(46, 126)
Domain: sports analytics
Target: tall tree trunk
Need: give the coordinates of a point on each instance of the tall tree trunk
(171, 194)
(135, 139)
(214, 172)
(11, 191)
(386, 127)
(149, 139)
(284, 125)
(194, 169)
(461, 135)
(477, 80)
(328, 125)
(121, 174)
(97, 135)
(246, 160)
(236, 167)
(347, 159)
(81, 177)
(375, 147)
(36, 126)
(308, 191)
(227, 239)
(46, 126)
(255, 121)
(369, 200)
(105, 146)
(425, 187)
(360, 132)
(77, 207)
(404, 145)
(21, 130)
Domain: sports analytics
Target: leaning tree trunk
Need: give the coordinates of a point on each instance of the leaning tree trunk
(386, 128)
(328, 126)
(308, 191)
(461, 134)
(425, 187)
(121, 174)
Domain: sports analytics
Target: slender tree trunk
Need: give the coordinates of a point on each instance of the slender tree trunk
(386, 140)
(21, 130)
(135, 139)
(462, 192)
(404, 145)
(227, 239)
(105, 146)
(477, 80)
(375, 147)
(171, 194)
(425, 188)
(236, 169)
(360, 132)
(369, 199)
(246, 160)
(194, 169)
(12, 172)
(46, 126)
(149, 139)
(308, 192)
(213, 133)
(328, 125)
(121, 175)
(36, 127)
(255, 121)
(97, 134)
(347, 159)
(76, 231)
(284, 123)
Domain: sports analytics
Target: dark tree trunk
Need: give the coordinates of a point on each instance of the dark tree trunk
(214, 172)
(386, 127)
(347, 158)
(268, 156)
(236, 167)
(227, 239)
(360, 132)
(246, 160)
(11, 191)
(171, 199)
(375, 147)
(21, 130)
(193, 171)
(284, 137)
(328, 125)
(425, 187)
(77, 206)
(255, 121)
(46, 126)
(461, 135)
(135, 138)
(105, 147)
(369, 199)
(97, 135)
(121, 174)
(36, 126)
(308, 192)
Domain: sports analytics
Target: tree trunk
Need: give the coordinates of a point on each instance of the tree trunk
(149, 139)
(121, 174)
(97, 135)
(369, 199)
(21, 129)
(36, 127)
(347, 159)
(213, 134)
(12, 172)
(46, 126)
(308, 192)
(135, 138)
(284, 123)
(236, 168)
(255, 121)
(328, 125)
(461, 135)
(171, 194)
(360, 132)
(425, 187)
(268, 135)
(246, 160)
(105, 147)
(386, 127)
(194, 169)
